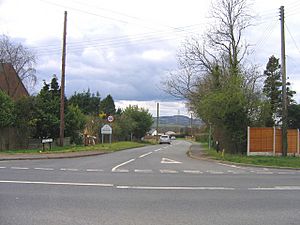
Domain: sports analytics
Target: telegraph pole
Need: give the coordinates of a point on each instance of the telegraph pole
(157, 120)
(62, 86)
(284, 94)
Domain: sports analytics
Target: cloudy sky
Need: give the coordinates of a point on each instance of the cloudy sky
(127, 48)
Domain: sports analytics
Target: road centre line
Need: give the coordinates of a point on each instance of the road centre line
(2, 167)
(68, 169)
(56, 183)
(173, 188)
(19, 168)
(40, 168)
(168, 171)
(120, 171)
(276, 188)
(122, 164)
(94, 170)
(143, 171)
(158, 150)
(192, 171)
(149, 153)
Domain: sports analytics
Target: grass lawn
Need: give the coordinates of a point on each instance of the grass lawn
(277, 161)
(116, 146)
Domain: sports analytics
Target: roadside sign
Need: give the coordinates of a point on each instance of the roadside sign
(110, 119)
(106, 129)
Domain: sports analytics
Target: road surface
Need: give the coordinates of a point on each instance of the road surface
(156, 184)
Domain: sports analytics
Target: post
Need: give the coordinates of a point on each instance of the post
(248, 141)
(274, 141)
(62, 87)
(209, 137)
(298, 142)
(284, 94)
(157, 120)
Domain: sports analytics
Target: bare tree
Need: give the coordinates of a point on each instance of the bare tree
(221, 46)
(22, 59)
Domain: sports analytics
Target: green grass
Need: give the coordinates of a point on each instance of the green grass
(116, 146)
(276, 161)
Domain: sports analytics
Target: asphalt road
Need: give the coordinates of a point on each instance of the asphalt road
(150, 185)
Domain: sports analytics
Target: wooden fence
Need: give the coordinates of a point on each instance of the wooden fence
(268, 141)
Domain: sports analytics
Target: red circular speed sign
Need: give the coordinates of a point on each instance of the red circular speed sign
(110, 119)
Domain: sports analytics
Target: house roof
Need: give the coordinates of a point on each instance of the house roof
(10, 82)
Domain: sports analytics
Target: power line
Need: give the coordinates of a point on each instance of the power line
(292, 38)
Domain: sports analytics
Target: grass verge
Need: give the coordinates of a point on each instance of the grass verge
(116, 146)
(273, 161)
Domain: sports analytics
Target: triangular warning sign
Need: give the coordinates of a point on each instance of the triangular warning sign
(166, 160)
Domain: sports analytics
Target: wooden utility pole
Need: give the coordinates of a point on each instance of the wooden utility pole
(157, 120)
(62, 86)
(284, 94)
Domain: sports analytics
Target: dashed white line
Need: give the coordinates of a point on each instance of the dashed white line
(158, 150)
(56, 183)
(143, 171)
(2, 167)
(286, 173)
(214, 172)
(168, 171)
(120, 171)
(47, 169)
(142, 156)
(122, 164)
(174, 188)
(19, 168)
(68, 169)
(94, 170)
(277, 188)
(192, 171)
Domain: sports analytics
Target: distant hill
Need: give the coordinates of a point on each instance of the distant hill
(177, 120)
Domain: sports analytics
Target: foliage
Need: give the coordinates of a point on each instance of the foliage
(75, 122)
(7, 116)
(107, 106)
(294, 116)
(88, 103)
(273, 90)
(24, 111)
(22, 59)
(47, 111)
(141, 120)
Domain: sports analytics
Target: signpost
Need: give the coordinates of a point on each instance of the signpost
(106, 129)
(45, 141)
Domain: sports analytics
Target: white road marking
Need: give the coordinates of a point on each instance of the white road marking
(47, 169)
(93, 170)
(143, 171)
(169, 161)
(282, 173)
(233, 166)
(68, 169)
(214, 172)
(234, 172)
(192, 171)
(263, 172)
(122, 164)
(277, 188)
(56, 183)
(173, 188)
(2, 167)
(168, 171)
(19, 168)
(149, 153)
(120, 171)
(158, 150)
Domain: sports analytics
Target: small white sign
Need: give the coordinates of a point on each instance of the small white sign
(110, 119)
(48, 140)
(106, 129)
